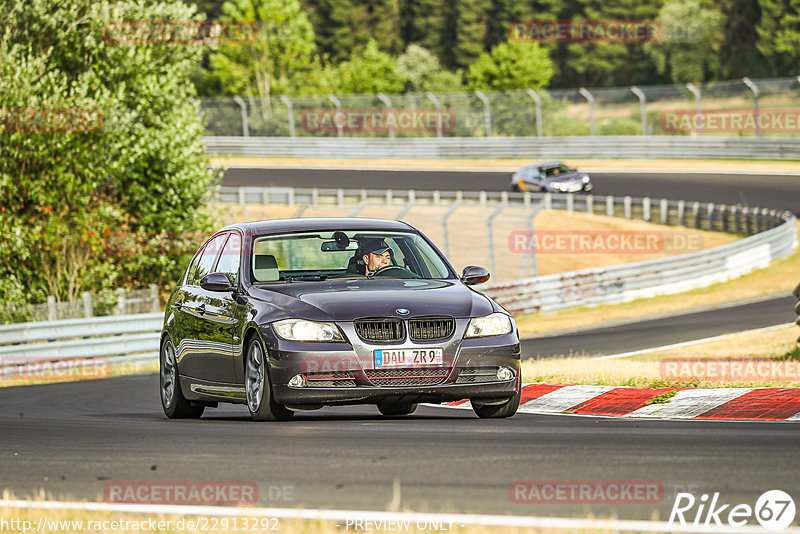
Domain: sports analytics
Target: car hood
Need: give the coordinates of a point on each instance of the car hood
(565, 177)
(346, 300)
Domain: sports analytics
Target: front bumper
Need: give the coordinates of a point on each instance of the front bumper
(464, 359)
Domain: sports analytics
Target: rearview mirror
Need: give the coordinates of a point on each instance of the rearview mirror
(216, 282)
(473, 275)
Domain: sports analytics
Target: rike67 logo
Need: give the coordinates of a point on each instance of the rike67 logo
(774, 510)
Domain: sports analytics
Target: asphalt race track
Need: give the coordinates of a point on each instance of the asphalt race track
(764, 191)
(664, 331)
(72, 439)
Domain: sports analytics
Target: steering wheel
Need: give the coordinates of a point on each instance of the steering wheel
(393, 270)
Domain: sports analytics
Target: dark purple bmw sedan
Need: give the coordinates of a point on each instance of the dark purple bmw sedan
(297, 314)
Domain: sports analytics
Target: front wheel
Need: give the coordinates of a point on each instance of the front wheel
(499, 411)
(172, 400)
(259, 392)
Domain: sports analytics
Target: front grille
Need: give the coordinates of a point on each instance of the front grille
(330, 380)
(431, 328)
(407, 377)
(380, 329)
(474, 375)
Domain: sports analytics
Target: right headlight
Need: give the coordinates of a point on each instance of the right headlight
(303, 330)
(494, 324)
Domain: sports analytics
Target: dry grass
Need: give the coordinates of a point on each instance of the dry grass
(645, 371)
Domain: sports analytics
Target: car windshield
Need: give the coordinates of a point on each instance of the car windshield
(315, 256)
(555, 171)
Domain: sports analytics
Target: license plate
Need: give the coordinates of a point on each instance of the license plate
(407, 357)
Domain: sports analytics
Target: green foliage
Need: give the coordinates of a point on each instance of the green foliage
(689, 51)
(371, 72)
(423, 72)
(138, 168)
(779, 33)
(511, 66)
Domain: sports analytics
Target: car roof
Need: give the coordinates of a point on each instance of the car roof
(319, 223)
(544, 164)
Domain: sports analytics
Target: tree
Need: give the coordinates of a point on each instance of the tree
(779, 35)
(423, 72)
(689, 51)
(108, 144)
(511, 66)
(371, 72)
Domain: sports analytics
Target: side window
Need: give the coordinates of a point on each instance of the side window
(209, 257)
(229, 260)
(190, 271)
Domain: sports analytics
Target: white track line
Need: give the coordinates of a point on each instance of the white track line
(693, 342)
(562, 523)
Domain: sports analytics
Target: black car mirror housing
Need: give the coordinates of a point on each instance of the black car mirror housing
(472, 275)
(216, 282)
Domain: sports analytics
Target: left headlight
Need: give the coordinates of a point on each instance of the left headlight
(586, 178)
(494, 324)
(303, 330)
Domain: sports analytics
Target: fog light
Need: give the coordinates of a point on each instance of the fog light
(297, 381)
(504, 373)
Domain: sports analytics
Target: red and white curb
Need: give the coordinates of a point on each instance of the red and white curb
(748, 404)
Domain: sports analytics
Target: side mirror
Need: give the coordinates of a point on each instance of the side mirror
(216, 282)
(473, 274)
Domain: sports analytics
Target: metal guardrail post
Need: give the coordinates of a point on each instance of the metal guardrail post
(338, 120)
(438, 107)
(240, 195)
(340, 197)
(664, 208)
(609, 205)
(154, 304)
(389, 123)
(243, 106)
(389, 198)
(642, 107)
(570, 203)
(696, 214)
(627, 207)
(589, 98)
(711, 216)
(697, 98)
(88, 307)
(681, 213)
(51, 308)
(445, 236)
(646, 209)
(537, 101)
(754, 88)
(487, 112)
(290, 113)
(412, 200)
(548, 201)
(490, 232)
(590, 204)
(530, 256)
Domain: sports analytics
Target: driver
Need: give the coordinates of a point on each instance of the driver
(376, 255)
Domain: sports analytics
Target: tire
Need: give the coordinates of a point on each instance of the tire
(172, 400)
(257, 386)
(499, 411)
(397, 408)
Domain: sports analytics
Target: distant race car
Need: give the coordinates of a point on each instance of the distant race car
(551, 177)
(297, 314)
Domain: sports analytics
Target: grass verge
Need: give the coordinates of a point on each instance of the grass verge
(650, 370)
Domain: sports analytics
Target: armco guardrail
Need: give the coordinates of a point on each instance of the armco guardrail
(602, 147)
(647, 278)
(126, 337)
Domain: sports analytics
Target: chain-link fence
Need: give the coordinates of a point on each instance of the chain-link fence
(768, 107)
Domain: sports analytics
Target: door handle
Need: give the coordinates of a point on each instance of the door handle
(201, 309)
(177, 306)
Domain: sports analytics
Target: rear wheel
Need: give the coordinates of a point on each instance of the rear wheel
(397, 408)
(499, 411)
(172, 400)
(257, 386)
